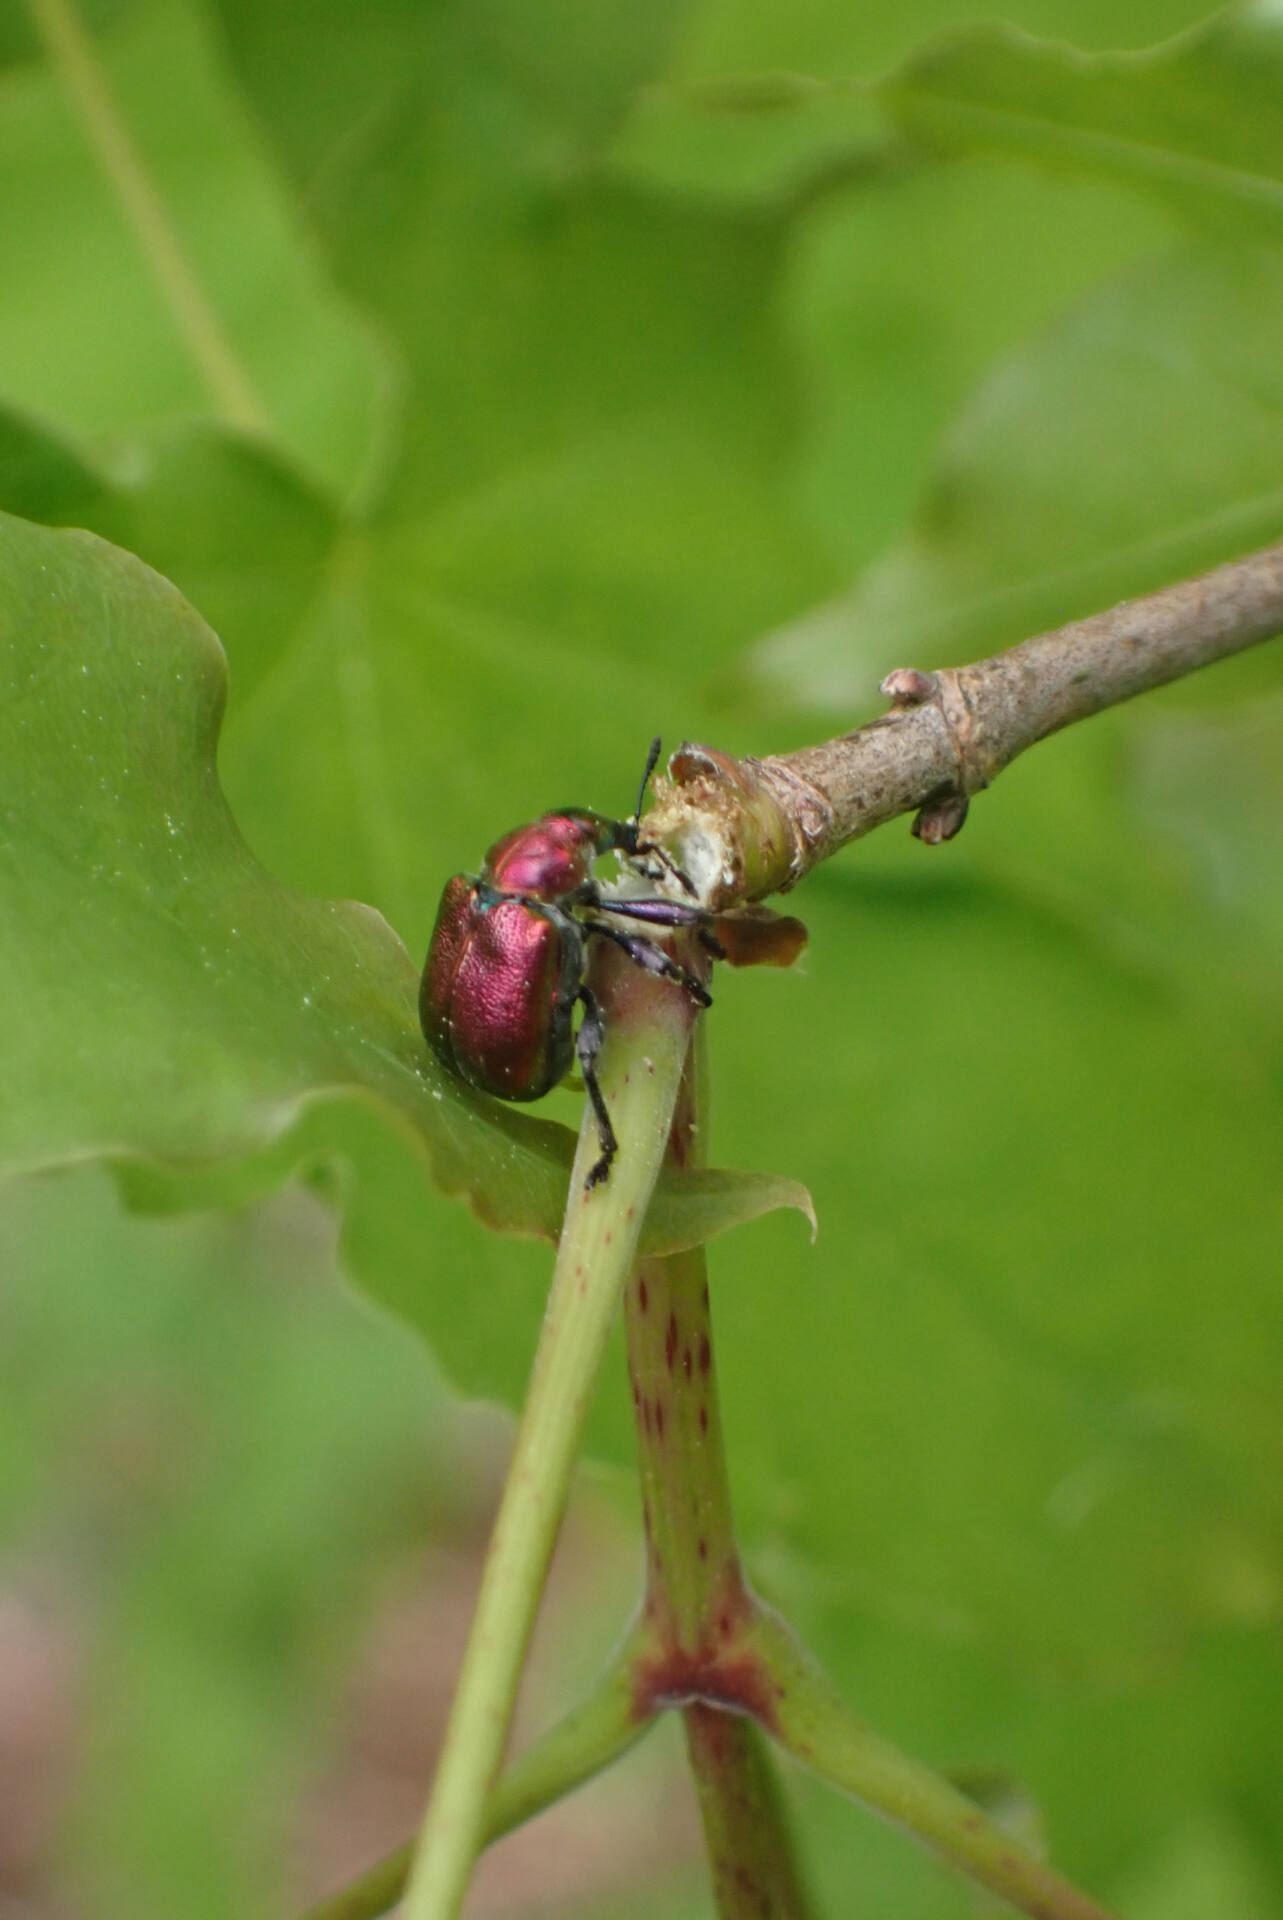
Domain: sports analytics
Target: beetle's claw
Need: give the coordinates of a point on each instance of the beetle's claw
(600, 1173)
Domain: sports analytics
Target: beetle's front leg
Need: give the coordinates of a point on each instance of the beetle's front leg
(592, 1032)
(644, 953)
(651, 849)
(656, 913)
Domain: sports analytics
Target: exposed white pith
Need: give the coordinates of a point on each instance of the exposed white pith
(699, 848)
(704, 856)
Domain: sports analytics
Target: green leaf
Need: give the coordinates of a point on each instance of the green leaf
(833, 40)
(20, 41)
(1195, 120)
(542, 312)
(1206, 1871)
(179, 1003)
(1042, 509)
(549, 83)
(43, 476)
(762, 104)
(171, 1001)
(902, 301)
(1050, 1323)
(236, 526)
(1212, 784)
(762, 140)
(70, 252)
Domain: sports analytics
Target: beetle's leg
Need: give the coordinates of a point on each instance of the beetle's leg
(644, 953)
(665, 859)
(659, 913)
(588, 1041)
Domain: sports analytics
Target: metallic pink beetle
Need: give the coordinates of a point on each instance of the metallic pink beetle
(506, 964)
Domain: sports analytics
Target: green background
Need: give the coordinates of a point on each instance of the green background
(607, 389)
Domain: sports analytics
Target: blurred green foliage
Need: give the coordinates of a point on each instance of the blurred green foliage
(609, 394)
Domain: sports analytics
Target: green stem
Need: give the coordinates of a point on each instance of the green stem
(648, 1026)
(583, 1744)
(73, 56)
(814, 1724)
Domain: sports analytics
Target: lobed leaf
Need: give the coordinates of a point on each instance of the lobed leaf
(1168, 460)
(322, 380)
(169, 1000)
(1195, 120)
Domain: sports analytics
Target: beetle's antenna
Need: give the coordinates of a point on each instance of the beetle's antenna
(635, 845)
(651, 758)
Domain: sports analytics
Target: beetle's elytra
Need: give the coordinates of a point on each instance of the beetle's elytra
(506, 964)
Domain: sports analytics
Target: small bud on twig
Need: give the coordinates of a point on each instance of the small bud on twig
(907, 687)
(941, 821)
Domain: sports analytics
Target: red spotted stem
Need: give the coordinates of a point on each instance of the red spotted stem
(696, 1600)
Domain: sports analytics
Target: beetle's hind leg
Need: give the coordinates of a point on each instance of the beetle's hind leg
(644, 953)
(592, 1032)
